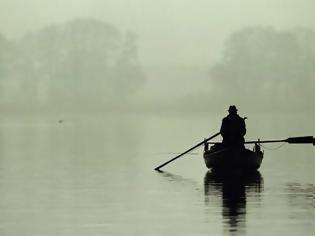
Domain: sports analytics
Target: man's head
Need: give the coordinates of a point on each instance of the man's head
(232, 109)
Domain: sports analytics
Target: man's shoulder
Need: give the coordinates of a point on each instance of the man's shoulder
(225, 118)
(241, 120)
(236, 117)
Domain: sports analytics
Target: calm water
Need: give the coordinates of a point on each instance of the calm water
(64, 175)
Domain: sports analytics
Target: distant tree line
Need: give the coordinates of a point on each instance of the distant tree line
(84, 61)
(273, 69)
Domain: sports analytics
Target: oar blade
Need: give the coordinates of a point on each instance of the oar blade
(303, 139)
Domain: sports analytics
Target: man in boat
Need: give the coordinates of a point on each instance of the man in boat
(233, 128)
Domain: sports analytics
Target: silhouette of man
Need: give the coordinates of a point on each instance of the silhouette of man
(233, 128)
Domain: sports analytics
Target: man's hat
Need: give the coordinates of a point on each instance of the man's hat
(232, 108)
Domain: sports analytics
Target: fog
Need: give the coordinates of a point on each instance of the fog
(158, 57)
(95, 94)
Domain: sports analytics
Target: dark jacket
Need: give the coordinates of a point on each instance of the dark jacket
(233, 129)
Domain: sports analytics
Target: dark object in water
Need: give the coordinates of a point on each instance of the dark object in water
(233, 158)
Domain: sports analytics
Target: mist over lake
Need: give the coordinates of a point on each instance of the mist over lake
(94, 95)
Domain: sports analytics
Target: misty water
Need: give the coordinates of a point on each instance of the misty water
(115, 88)
(93, 175)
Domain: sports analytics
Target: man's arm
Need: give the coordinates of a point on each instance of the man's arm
(223, 128)
(243, 127)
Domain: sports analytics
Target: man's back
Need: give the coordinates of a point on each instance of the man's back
(233, 129)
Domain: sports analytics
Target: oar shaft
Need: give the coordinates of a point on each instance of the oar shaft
(251, 142)
(267, 141)
(197, 145)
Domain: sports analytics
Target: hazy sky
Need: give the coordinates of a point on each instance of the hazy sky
(171, 32)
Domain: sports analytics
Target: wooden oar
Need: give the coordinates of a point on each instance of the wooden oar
(291, 140)
(197, 145)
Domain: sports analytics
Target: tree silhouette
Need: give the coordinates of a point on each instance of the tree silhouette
(263, 65)
(81, 61)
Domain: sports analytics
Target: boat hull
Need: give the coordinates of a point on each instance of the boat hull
(233, 158)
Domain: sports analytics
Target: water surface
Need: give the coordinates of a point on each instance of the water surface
(93, 175)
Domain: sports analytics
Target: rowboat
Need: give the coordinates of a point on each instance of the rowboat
(222, 158)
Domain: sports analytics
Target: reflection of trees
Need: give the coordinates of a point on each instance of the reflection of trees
(266, 65)
(85, 61)
(301, 196)
(232, 189)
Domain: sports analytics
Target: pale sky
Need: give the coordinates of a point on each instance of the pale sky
(170, 32)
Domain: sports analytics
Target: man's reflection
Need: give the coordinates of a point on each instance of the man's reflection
(232, 189)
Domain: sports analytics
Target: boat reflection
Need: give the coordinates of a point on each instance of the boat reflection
(233, 190)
